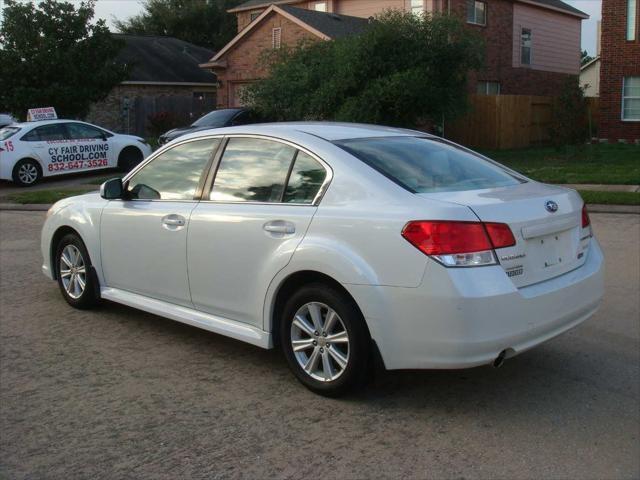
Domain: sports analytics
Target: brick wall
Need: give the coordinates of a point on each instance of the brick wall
(498, 36)
(243, 60)
(619, 58)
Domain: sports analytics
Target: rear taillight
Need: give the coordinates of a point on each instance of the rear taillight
(459, 244)
(586, 221)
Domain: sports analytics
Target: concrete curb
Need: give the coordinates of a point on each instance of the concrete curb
(26, 207)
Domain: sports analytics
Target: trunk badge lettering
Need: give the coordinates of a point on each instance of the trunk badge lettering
(551, 206)
(507, 258)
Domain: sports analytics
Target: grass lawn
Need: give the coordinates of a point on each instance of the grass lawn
(611, 198)
(44, 196)
(614, 164)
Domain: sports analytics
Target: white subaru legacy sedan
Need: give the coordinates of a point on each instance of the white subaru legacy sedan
(32, 150)
(338, 243)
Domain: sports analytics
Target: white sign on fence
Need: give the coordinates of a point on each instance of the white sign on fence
(46, 113)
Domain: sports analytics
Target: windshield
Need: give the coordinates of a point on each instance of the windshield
(7, 132)
(423, 165)
(217, 118)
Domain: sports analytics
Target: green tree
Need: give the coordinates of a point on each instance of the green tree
(585, 57)
(52, 55)
(203, 23)
(569, 116)
(402, 70)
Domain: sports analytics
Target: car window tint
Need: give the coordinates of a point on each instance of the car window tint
(424, 165)
(82, 131)
(305, 181)
(175, 174)
(252, 170)
(46, 133)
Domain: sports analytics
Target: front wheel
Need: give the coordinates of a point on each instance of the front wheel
(26, 172)
(75, 276)
(325, 340)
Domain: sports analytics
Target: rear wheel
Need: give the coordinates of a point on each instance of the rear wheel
(129, 158)
(325, 340)
(26, 172)
(74, 273)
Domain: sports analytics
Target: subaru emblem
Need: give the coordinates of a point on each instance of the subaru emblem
(551, 206)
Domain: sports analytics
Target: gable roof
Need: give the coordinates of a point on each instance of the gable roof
(157, 59)
(591, 62)
(325, 26)
(557, 5)
(331, 24)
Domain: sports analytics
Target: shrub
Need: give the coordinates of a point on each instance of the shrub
(569, 116)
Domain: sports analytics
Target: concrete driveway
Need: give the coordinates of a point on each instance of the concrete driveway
(116, 393)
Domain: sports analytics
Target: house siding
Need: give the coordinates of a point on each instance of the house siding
(366, 8)
(590, 79)
(619, 58)
(555, 39)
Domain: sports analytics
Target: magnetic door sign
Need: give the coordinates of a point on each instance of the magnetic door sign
(46, 113)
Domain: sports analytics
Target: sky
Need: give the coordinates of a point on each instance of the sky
(122, 9)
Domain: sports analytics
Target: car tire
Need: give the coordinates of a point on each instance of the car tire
(75, 275)
(26, 172)
(129, 158)
(331, 340)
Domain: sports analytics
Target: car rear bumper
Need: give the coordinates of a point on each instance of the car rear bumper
(462, 318)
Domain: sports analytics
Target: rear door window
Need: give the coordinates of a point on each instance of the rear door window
(305, 180)
(424, 165)
(80, 131)
(46, 133)
(252, 170)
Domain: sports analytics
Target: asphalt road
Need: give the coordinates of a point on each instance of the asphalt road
(116, 393)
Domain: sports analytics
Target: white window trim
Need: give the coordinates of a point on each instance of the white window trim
(631, 34)
(624, 80)
(475, 21)
(486, 89)
(325, 4)
(276, 38)
(522, 29)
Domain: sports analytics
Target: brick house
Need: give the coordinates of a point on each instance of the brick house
(532, 45)
(620, 70)
(164, 76)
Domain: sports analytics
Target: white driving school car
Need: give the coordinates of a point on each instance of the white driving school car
(338, 243)
(32, 150)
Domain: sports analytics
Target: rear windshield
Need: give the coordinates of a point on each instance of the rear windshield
(424, 165)
(217, 118)
(7, 132)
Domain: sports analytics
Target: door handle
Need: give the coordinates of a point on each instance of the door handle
(173, 220)
(280, 226)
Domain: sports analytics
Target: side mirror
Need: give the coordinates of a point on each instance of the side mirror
(112, 189)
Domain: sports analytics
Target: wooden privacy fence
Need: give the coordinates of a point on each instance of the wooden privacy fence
(498, 122)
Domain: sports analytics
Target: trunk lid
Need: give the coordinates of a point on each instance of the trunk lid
(548, 243)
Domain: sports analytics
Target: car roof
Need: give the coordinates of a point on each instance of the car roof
(37, 123)
(331, 131)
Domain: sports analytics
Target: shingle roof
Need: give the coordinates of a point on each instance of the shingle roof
(560, 5)
(331, 24)
(163, 59)
(555, 4)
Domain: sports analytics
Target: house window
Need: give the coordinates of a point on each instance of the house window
(632, 8)
(525, 47)
(488, 88)
(631, 99)
(417, 7)
(476, 12)
(320, 6)
(255, 15)
(276, 38)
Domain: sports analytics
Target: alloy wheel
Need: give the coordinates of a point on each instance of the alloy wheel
(28, 173)
(73, 271)
(320, 341)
